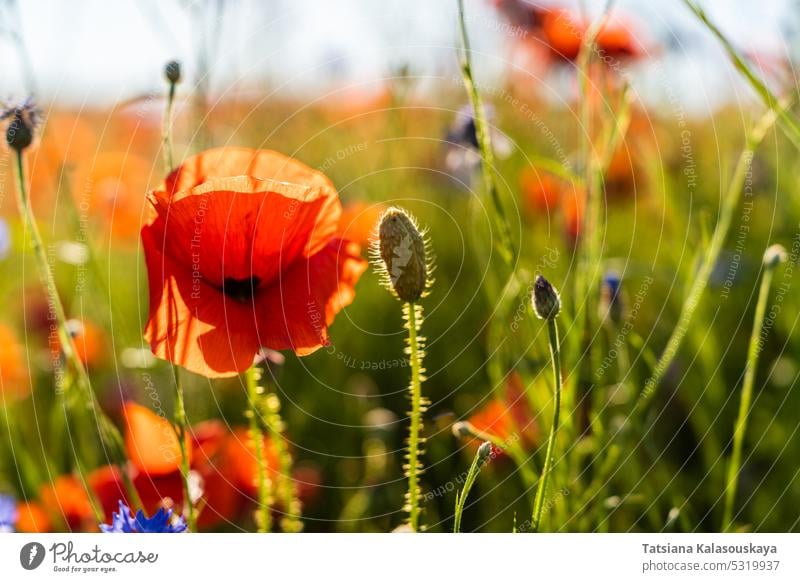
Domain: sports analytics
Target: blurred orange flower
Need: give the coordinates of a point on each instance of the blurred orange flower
(66, 497)
(241, 252)
(358, 220)
(89, 341)
(14, 379)
(540, 191)
(508, 417)
(111, 186)
(150, 441)
(32, 518)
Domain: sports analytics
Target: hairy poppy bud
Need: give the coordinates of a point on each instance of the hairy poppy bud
(774, 256)
(172, 71)
(403, 254)
(20, 130)
(546, 301)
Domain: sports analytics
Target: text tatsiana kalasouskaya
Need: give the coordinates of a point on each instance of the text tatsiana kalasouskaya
(712, 548)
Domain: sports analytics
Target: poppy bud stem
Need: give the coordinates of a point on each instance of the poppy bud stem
(555, 354)
(461, 498)
(109, 435)
(181, 433)
(269, 406)
(774, 256)
(413, 315)
(263, 513)
(172, 74)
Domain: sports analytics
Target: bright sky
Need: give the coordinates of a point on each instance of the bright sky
(96, 50)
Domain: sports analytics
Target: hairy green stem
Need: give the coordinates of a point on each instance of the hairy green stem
(254, 390)
(747, 397)
(413, 467)
(555, 354)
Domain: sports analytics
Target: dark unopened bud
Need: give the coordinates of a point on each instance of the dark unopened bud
(484, 451)
(172, 71)
(20, 130)
(403, 253)
(546, 301)
(774, 256)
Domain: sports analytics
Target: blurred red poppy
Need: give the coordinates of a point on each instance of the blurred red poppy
(241, 253)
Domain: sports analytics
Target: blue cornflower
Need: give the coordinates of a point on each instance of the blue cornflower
(8, 513)
(161, 522)
(462, 157)
(610, 300)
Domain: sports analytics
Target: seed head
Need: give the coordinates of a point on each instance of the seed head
(172, 71)
(774, 256)
(546, 301)
(24, 121)
(401, 254)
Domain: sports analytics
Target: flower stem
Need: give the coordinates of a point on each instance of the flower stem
(166, 130)
(254, 391)
(109, 435)
(284, 487)
(413, 314)
(747, 396)
(472, 475)
(181, 433)
(538, 506)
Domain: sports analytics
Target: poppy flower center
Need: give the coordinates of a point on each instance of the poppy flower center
(241, 290)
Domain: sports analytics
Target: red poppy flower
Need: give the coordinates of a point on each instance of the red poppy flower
(32, 518)
(241, 253)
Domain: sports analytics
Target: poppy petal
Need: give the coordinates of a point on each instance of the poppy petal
(294, 312)
(192, 323)
(242, 227)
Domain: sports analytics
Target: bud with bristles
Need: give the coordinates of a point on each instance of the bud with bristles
(172, 71)
(774, 256)
(546, 300)
(24, 119)
(401, 254)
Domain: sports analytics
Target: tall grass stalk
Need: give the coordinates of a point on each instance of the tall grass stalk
(772, 258)
(788, 121)
(699, 282)
(506, 246)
